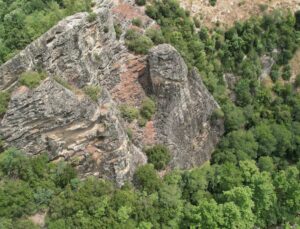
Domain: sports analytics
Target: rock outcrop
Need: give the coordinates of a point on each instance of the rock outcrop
(185, 106)
(68, 124)
(91, 135)
(75, 49)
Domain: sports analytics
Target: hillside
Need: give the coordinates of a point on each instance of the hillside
(227, 12)
(134, 114)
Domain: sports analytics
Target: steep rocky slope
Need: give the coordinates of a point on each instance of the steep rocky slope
(91, 134)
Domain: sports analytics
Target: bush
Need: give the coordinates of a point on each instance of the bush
(216, 115)
(148, 108)
(106, 29)
(142, 121)
(92, 17)
(159, 156)
(140, 2)
(155, 35)
(297, 81)
(62, 82)
(118, 30)
(31, 79)
(129, 113)
(64, 174)
(146, 179)
(4, 100)
(138, 43)
(286, 74)
(212, 2)
(275, 73)
(93, 91)
(137, 22)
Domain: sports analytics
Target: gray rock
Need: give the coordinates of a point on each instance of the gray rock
(267, 63)
(78, 51)
(184, 108)
(71, 126)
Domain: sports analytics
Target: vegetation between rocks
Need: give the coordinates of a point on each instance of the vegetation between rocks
(31, 79)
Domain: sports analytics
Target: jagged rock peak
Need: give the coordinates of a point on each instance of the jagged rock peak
(167, 64)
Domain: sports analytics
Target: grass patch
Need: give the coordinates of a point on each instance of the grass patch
(91, 17)
(148, 108)
(118, 30)
(63, 82)
(137, 22)
(31, 79)
(93, 91)
(4, 100)
(129, 113)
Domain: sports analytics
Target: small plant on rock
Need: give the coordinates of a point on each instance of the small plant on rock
(4, 100)
(93, 91)
(92, 17)
(137, 22)
(148, 108)
(129, 113)
(31, 79)
(140, 2)
(63, 82)
(118, 30)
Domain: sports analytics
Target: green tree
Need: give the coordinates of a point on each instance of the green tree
(159, 156)
(145, 178)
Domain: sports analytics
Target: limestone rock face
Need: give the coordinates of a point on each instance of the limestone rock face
(70, 125)
(184, 108)
(91, 135)
(76, 50)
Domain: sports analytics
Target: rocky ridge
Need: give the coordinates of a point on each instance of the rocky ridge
(91, 135)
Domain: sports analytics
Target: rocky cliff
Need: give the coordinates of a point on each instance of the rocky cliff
(68, 125)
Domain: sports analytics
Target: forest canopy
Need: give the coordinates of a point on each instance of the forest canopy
(23, 21)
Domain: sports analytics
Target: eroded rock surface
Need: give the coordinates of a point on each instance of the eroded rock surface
(91, 135)
(184, 108)
(67, 124)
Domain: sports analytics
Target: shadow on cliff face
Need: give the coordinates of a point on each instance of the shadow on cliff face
(145, 81)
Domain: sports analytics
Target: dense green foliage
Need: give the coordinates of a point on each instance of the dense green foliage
(137, 42)
(159, 156)
(213, 196)
(253, 178)
(23, 21)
